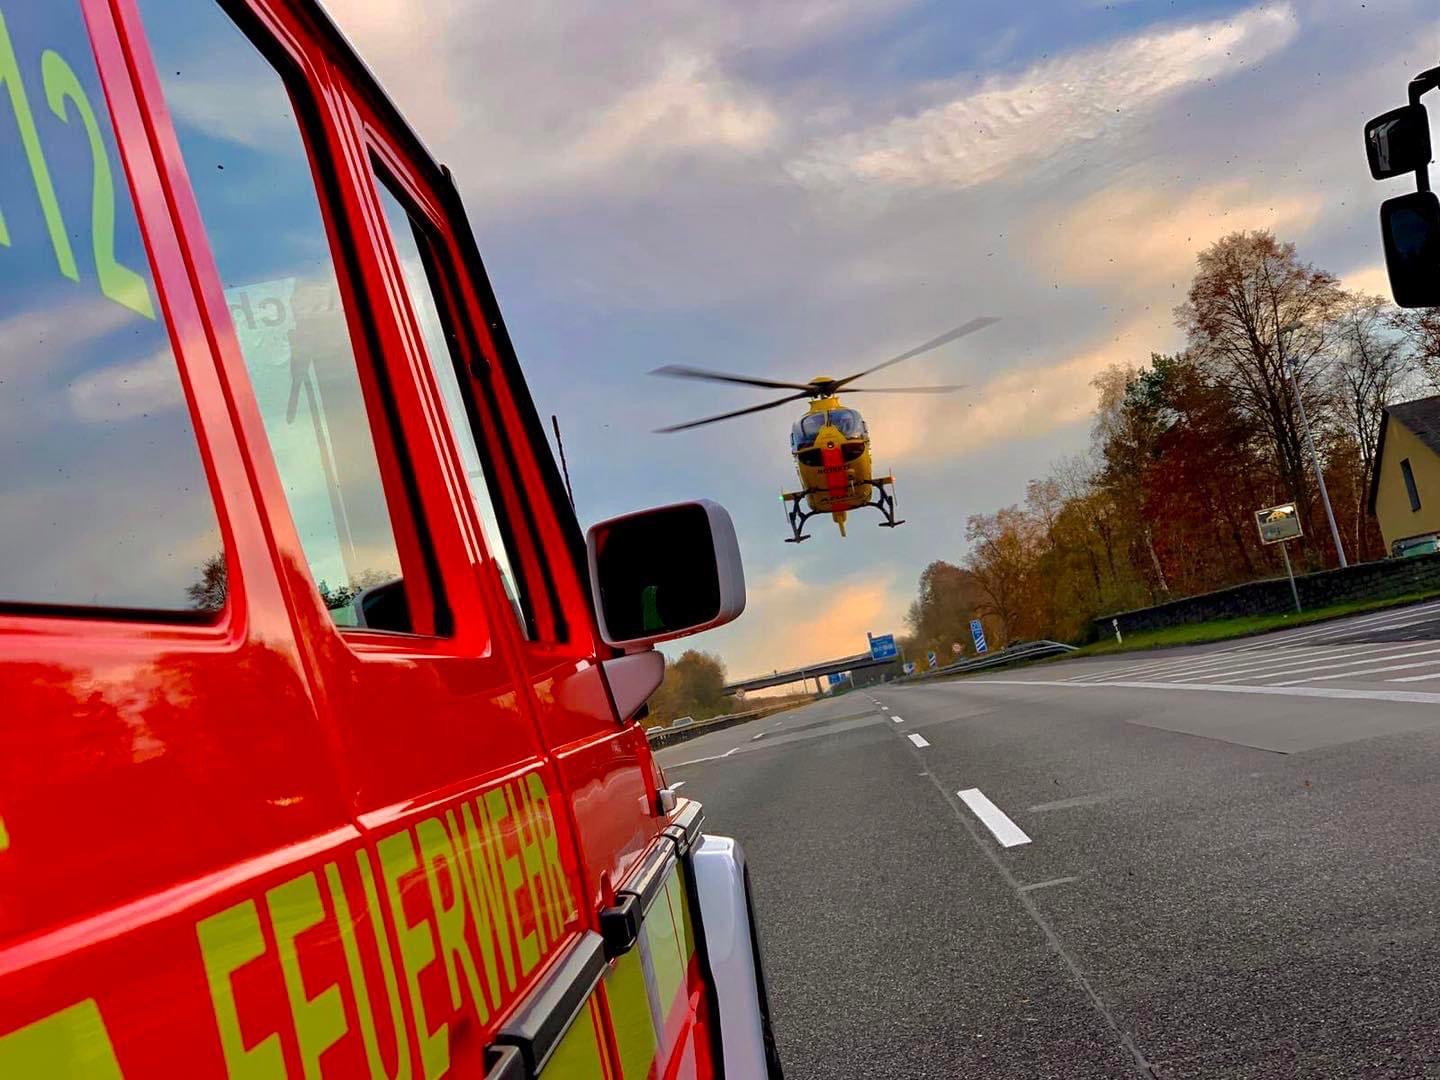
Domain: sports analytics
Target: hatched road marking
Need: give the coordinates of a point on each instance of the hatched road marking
(1226, 688)
(993, 818)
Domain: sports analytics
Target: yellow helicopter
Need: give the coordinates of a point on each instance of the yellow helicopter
(830, 443)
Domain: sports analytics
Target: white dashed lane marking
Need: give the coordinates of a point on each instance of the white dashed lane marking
(898, 719)
(993, 818)
(918, 740)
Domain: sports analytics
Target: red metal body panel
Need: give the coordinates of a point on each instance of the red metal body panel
(237, 841)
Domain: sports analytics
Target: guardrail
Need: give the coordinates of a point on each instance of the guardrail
(1029, 650)
(667, 736)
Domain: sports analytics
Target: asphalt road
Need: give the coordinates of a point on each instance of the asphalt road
(1224, 862)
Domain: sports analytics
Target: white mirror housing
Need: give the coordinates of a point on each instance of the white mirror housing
(665, 573)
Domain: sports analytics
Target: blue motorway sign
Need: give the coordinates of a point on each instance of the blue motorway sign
(977, 631)
(838, 677)
(882, 647)
(909, 667)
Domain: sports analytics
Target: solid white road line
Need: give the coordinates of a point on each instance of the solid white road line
(1361, 673)
(1334, 692)
(698, 760)
(677, 785)
(1006, 831)
(1047, 884)
(1416, 678)
(918, 740)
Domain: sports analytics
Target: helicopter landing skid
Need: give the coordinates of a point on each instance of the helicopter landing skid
(797, 515)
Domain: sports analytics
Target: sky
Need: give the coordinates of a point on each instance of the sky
(788, 189)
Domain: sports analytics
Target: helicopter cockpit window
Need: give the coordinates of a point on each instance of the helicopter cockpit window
(847, 422)
(806, 429)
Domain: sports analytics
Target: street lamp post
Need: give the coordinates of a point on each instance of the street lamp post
(1314, 454)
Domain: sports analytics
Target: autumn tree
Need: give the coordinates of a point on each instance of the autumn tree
(1421, 329)
(1253, 313)
(947, 599)
(1001, 560)
(209, 592)
(1371, 366)
(693, 686)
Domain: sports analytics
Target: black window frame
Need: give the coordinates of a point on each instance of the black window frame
(444, 283)
(1408, 474)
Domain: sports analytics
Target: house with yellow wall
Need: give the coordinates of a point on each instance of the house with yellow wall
(1405, 490)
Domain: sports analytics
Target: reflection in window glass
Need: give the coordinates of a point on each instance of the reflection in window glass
(103, 497)
(247, 163)
(847, 422)
(444, 361)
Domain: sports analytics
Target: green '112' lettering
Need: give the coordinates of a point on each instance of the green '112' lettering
(62, 87)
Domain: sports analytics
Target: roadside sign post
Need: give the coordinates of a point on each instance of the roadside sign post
(977, 631)
(1116, 624)
(932, 659)
(1294, 592)
(1277, 525)
(956, 648)
(909, 667)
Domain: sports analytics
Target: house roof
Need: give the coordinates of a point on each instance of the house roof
(1421, 418)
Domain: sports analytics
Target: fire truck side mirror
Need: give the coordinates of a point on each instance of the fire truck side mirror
(1410, 226)
(1398, 142)
(665, 573)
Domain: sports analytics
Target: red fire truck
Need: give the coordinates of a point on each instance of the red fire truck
(318, 752)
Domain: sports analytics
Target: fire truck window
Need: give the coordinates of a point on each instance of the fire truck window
(249, 168)
(103, 496)
(418, 264)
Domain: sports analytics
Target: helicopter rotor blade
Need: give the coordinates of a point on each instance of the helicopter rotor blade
(934, 343)
(679, 371)
(731, 415)
(905, 389)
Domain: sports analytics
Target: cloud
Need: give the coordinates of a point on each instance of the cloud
(789, 621)
(1011, 123)
(1022, 403)
(1372, 279)
(1143, 238)
(125, 391)
(688, 105)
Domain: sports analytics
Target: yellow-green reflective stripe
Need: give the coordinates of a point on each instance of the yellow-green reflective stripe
(630, 1016)
(680, 905)
(66, 1045)
(578, 1057)
(665, 958)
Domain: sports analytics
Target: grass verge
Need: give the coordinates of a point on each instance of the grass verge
(1224, 629)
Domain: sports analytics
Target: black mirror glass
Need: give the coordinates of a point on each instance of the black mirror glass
(1398, 142)
(1410, 225)
(657, 573)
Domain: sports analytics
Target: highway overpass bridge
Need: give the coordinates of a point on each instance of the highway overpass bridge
(812, 671)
